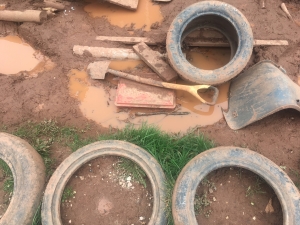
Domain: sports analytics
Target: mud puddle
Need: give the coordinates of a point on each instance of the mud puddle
(208, 58)
(146, 15)
(17, 56)
(97, 104)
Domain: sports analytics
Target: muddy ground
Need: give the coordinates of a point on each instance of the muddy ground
(275, 137)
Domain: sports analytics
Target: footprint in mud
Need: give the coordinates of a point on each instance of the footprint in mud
(104, 206)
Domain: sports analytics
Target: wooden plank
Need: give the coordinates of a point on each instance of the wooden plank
(128, 4)
(155, 62)
(127, 40)
(226, 44)
(148, 41)
(110, 53)
(270, 42)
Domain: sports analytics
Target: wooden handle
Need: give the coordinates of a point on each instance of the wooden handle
(136, 78)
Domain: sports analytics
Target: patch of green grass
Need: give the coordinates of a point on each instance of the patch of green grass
(8, 185)
(256, 188)
(68, 193)
(172, 151)
(37, 218)
(297, 175)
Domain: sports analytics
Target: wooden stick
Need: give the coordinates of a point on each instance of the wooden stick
(25, 16)
(127, 40)
(283, 7)
(159, 113)
(111, 53)
(270, 42)
(136, 40)
(52, 4)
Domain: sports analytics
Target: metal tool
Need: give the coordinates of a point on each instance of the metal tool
(195, 90)
(259, 92)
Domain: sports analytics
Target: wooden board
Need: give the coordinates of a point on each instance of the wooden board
(128, 4)
(155, 62)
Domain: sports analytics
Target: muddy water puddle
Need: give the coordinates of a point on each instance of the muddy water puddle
(208, 58)
(17, 56)
(97, 104)
(147, 14)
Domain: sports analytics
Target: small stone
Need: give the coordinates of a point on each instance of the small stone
(210, 190)
(70, 221)
(254, 218)
(142, 218)
(81, 177)
(128, 178)
(227, 217)
(214, 199)
(74, 192)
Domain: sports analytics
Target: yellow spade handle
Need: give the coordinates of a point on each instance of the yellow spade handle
(191, 89)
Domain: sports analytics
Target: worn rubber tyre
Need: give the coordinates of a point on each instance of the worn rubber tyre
(221, 17)
(28, 170)
(56, 185)
(200, 166)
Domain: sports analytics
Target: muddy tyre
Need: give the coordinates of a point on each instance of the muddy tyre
(28, 171)
(200, 166)
(219, 16)
(56, 185)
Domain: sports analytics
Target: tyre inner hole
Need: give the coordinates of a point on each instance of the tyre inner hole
(236, 196)
(102, 192)
(209, 42)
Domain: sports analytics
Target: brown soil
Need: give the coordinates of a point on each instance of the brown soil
(104, 196)
(245, 201)
(275, 137)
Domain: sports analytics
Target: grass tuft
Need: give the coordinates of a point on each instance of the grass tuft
(68, 193)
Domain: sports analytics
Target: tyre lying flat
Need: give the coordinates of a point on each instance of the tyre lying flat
(200, 166)
(59, 179)
(219, 16)
(29, 174)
